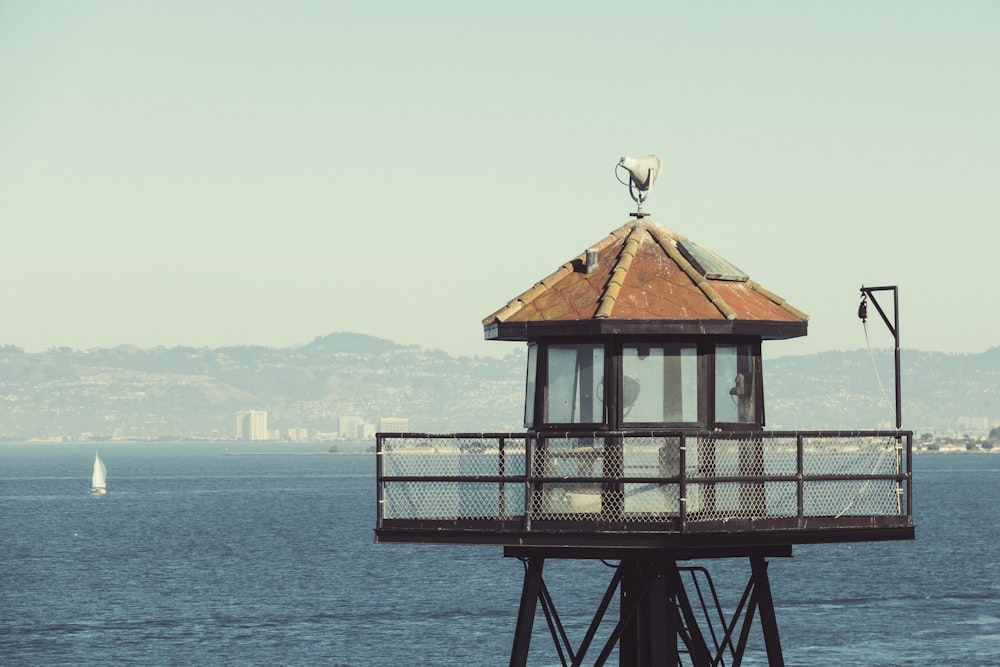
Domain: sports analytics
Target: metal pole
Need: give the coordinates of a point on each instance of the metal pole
(894, 330)
(895, 333)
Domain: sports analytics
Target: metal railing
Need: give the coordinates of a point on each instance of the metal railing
(667, 481)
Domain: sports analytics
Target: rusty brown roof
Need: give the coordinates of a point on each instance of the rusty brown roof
(648, 279)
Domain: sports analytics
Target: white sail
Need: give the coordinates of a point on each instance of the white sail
(98, 483)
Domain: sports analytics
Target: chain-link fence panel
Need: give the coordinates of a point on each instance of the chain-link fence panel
(452, 477)
(559, 460)
(852, 456)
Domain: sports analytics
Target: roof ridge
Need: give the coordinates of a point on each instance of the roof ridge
(699, 280)
(658, 227)
(777, 300)
(618, 275)
(547, 282)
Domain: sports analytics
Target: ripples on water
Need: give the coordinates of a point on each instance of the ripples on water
(194, 557)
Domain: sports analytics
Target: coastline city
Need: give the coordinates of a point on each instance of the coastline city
(345, 387)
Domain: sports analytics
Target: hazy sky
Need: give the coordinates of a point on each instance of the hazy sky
(219, 173)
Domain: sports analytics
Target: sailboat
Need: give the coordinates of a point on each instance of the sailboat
(98, 483)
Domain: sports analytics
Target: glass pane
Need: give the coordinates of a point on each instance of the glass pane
(734, 384)
(660, 383)
(529, 388)
(575, 373)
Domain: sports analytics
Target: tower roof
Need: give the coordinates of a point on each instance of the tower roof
(646, 279)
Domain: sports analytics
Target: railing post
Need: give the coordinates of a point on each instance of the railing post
(501, 469)
(909, 474)
(528, 501)
(379, 500)
(799, 474)
(682, 484)
(899, 471)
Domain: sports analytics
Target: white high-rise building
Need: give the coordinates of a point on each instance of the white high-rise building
(298, 434)
(351, 428)
(251, 425)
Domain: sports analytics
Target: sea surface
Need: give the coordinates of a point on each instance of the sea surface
(196, 557)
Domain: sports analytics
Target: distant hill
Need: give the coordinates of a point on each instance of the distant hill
(833, 390)
(184, 392)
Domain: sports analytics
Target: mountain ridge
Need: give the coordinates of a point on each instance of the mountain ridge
(182, 392)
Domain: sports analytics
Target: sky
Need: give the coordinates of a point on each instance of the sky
(184, 173)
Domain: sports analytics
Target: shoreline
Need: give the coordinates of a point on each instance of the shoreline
(228, 453)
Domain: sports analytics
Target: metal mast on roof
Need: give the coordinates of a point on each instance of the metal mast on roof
(643, 172)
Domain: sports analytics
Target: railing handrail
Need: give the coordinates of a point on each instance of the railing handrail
(655, 433)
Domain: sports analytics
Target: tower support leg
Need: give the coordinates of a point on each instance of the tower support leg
(645, 618)
(660, 622)
(526, 612)
(765, 603)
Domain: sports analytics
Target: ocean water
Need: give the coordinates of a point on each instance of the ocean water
(195, 557)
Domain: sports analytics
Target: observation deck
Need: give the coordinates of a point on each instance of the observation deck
(687, 493)
(645, 444)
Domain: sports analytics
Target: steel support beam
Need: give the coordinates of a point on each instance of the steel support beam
(765, 603)
(530, 592)
(657, 623)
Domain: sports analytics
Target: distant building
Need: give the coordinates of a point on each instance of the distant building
(393, 425)
(251, 425)
(297, 434)
(351, 428)
(973, 423)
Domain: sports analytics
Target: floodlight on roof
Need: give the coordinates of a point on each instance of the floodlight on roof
(642, 174)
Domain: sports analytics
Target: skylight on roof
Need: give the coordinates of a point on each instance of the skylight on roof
(710, 265)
